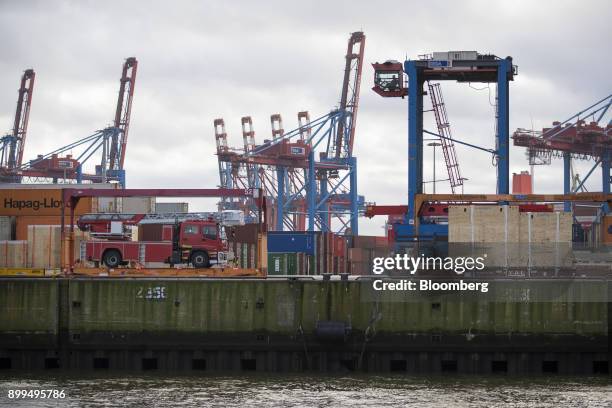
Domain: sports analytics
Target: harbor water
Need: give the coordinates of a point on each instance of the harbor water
(265, 390)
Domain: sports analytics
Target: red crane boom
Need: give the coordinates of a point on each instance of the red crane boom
(122, 114)
(22, 114)
(349, 99)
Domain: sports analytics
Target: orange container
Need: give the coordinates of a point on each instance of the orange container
(521, 183)
(37, 202)
(606, 229)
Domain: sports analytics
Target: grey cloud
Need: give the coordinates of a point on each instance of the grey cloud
(202, 59)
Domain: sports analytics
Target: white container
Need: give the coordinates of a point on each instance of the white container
(138, 205)
(108, 204)
(233, 217)
(163, 208)
(455, 56)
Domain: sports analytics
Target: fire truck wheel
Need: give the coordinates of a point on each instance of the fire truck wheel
(112, 258)
(199, 259)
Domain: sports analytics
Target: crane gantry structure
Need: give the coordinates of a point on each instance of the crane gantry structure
(12, 145)
(574, 139)
(61, 165)
(305, 191)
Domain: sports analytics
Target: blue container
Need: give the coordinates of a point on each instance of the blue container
(291, 241)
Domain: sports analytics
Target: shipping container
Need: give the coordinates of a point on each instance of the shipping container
(243, 233)
(20, 202)
(7, 228)
(455, 56)
(291, 241)
(290, 264)
(606, 229)
(521, 183)
(108, 204)
(43, 199)
(162, 208)
(137, 205)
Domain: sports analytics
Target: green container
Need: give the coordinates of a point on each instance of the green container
(281, 263)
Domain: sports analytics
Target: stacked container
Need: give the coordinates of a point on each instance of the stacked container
(306, 253)
(242, 242)
(363, 251)
(293, 253)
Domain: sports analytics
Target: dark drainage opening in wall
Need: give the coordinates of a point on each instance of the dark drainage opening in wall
(149, 364)
(100, 363)
(198, 364)
(348, 364)
(5, 363)
(599, 367)
(448, 366)
(499, 367)
(398, 365)
(436, 306)
(248, 364)
(52, 362)
(550, 367)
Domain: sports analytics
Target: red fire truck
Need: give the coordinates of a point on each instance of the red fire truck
(194, 238)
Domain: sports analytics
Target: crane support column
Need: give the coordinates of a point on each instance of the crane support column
(605, 172)
(324, 207)
(567, 179)
(311, 191)
(415, 142)
(281, 175)
(354, 196)
(504, 71)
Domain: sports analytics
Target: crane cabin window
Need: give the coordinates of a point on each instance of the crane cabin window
(387, 80)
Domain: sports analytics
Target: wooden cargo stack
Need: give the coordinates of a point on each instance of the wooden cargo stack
(13, 254)
(510, 238)
(44, 246)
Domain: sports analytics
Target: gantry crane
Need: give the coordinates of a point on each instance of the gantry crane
(324, 190)
(460, 66)
(111, 141)
(574, 139)
(12, 146)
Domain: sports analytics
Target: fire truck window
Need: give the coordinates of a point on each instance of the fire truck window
(209, 232)
(191, 229)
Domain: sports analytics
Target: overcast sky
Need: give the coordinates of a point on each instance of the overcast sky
(199, 60)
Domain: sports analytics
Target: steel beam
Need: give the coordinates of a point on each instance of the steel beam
(567, 179)
(504, 70)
